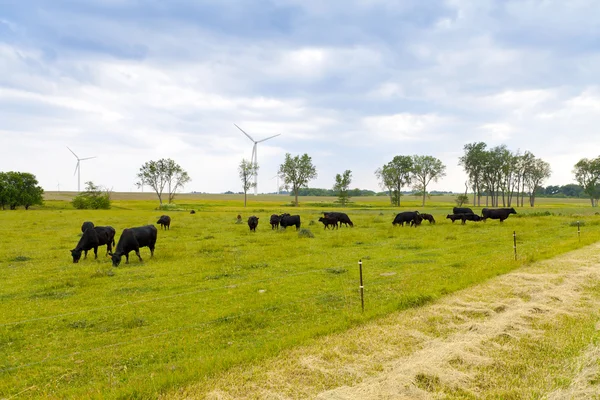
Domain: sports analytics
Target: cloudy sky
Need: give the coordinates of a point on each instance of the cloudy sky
(351, 83)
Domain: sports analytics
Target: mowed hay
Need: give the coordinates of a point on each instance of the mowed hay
(526, 334)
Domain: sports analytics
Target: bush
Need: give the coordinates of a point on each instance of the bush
(93, 198)
(461, 199)
(305, 233)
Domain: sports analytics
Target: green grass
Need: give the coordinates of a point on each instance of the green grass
(217, 295)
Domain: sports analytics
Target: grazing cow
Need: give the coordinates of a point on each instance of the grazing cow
(464, 217)
(91, 239)
(193, 212)
(462, 210)
(341, 217)
(412, 217)
(497, 213)
(164, 221)
(253, 223)
(428, 217)
(289, 220)
(274, 221)
(86, 225)
(131, 240)
(329, 220)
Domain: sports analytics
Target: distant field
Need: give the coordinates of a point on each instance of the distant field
(216, 295)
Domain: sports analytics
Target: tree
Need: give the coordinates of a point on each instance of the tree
(19, 189)
(341, 186)
(394, 175)
(296, 172)
(473, 163)
(461, 199)
(247, 171)
(425, 169)
(94, 198)
(537, 173)
(161, 173)
(587, 174)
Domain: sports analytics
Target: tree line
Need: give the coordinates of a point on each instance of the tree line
(500, 175)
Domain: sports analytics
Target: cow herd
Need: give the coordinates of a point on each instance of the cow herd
(329, 219)
(411, 218)
(145, 236)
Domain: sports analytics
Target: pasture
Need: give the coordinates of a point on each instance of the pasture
(216, 295)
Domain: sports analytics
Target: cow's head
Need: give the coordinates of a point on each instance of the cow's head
(512, 211)
(116, 259)
(76, 255)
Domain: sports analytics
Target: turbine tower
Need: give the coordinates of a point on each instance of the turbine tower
(78, 168)
(277, 176)
(254, 159)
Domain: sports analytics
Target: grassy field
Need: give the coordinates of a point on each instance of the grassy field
(217, 295)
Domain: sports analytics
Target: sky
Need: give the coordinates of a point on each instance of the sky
(350, 83)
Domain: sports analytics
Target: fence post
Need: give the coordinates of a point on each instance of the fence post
(362, 287)
(515, 243)
(578, 232)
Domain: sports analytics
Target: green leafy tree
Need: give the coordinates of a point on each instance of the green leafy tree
(247, 170)
(473, 163)
(394, 175)
(19, 189)
(341, 186)
(426, 169)
(537, 173)
(94, 198)
(161, 174)
(587, 174)
(296, 172)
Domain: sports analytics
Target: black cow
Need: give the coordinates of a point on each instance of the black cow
(428, 217)
(86, 225)
(164, 221)
(274, 221)
(454, 217)
(412, 217)
(131, 240)
(464, 217)
(193, 212)
(497, 213)
(329, 220)
(462, 210)
(341, 217)
(289, 220)
(92, 239)
(253, 223)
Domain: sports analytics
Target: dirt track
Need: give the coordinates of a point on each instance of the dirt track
(440, 351)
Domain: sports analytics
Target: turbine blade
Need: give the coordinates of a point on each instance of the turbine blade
(73, 153)
(253, 158)
(249, 137)
(76, 167)
(87, 158)
(270, 137)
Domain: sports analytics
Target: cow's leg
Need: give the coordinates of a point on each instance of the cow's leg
(85, 254)
(96, 253)
(137, 253)
(126, 258)
(151, 251)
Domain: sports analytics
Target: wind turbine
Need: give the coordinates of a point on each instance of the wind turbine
(254, 159)
(78, 168)
(277, 176)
